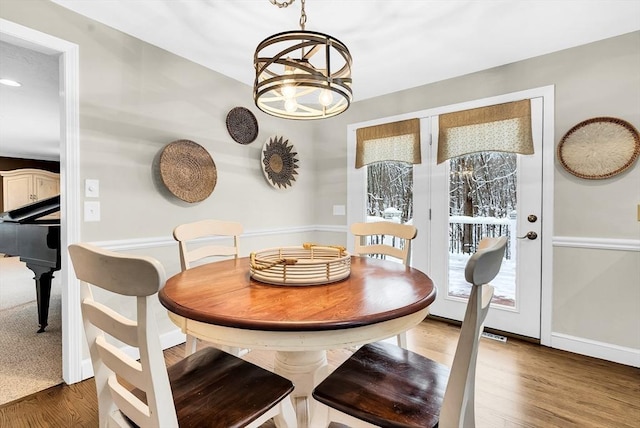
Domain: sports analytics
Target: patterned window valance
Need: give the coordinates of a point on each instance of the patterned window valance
(501, 128)
(397, 141)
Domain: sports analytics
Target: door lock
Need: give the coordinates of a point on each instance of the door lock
(532, 218)
(530, 235)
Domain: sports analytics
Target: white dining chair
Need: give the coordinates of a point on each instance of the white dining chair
(383, 385)
(387, 240)
(192, 251)
(209, 388)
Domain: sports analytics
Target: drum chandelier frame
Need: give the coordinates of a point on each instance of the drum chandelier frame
(302, 74)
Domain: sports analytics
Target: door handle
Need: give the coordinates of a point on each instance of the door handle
(530, 235)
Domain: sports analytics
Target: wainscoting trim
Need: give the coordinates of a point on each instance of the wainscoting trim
(168, 241)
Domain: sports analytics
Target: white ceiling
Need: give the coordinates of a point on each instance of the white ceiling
(29, 115)
(395, 44)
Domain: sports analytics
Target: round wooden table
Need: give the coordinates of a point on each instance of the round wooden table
(221, 303)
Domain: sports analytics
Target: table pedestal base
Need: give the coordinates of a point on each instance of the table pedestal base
(305, 369)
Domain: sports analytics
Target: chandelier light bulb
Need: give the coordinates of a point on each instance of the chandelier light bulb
(325, 98)
(290, 105)
(288, 90)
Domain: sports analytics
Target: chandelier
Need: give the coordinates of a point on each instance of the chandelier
(302, 74)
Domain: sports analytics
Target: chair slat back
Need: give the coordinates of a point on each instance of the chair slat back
(371, 238)
(482, 267)
(140, 277)
(485, 263)
(200, 230)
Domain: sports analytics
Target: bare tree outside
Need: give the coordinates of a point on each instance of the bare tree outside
(483, 184)
(390, 185)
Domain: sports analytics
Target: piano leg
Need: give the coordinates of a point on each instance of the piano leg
(43, 277)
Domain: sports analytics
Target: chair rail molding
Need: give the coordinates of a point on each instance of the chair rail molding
(597, 243)
(168, 241)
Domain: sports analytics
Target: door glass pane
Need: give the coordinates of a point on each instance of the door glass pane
(482, 203)
(390, 193)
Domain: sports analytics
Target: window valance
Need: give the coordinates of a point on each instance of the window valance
(396, 141)
(501, 127)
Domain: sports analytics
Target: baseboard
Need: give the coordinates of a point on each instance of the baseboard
(592, 348)
(486, 329)
(167, 340)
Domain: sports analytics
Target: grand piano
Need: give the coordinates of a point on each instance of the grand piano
(24, 233)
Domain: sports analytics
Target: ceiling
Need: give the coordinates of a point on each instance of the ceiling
(395, 44)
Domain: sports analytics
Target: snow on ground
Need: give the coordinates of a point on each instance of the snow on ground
(504, 283)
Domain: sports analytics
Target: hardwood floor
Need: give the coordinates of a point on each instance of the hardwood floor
(519, 384)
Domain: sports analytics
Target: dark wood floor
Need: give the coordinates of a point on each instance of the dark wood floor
(519, 384)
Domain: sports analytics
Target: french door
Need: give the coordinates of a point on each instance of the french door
(523, 298)
(454, 234)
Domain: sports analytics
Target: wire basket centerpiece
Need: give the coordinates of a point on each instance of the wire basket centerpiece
(309, 264)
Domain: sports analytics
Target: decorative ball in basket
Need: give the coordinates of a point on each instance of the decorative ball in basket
(309, 264)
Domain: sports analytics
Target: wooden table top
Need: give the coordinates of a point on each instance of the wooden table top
(223, 293)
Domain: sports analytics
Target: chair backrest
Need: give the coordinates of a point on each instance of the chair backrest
(384, 238)
(140, 277)
(482, 267)
(206, 229)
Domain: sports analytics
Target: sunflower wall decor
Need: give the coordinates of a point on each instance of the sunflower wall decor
(279, 162)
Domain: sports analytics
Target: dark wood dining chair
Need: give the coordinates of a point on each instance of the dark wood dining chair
(210, 388)
(376, 239)
(387, 386)
(187, 235)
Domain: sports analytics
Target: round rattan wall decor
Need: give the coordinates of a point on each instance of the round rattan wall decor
(188, 170)
(242, 125)
(599, 148)
(279, 162)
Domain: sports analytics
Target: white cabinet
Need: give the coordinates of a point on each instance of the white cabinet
(25, 186)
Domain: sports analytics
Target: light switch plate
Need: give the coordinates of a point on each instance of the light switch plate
(91, 188)
(91, 211)
(339, 210)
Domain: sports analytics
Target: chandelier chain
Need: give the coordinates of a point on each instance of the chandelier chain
(281, 4)
(303, 17)
(303, 14)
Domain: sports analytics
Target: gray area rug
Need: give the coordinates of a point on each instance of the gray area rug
(29, 361)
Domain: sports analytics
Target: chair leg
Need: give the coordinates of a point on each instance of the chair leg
(233, 350)
(190, 345)
(402, 340)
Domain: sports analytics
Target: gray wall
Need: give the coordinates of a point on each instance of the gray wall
(135, 98)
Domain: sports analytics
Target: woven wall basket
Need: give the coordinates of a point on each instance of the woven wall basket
(188, 170)
(599, 148)
(242, 125)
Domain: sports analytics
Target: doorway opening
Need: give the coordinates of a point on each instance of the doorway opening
(19, 35)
